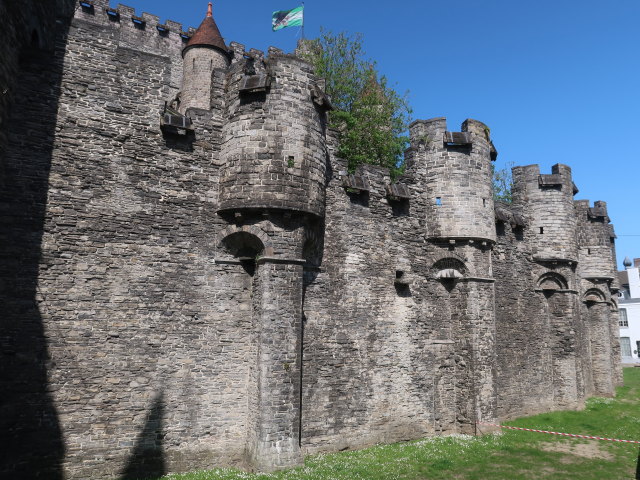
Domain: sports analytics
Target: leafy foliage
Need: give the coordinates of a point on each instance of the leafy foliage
(502, 183)
(371, 118)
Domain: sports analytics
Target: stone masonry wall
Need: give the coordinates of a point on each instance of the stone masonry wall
(228, 297)
(31, 40)
(387, 360)
(138, 325)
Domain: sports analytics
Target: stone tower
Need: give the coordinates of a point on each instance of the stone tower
(274, 156)
(597, 274)
(547, 203)
(205, 51)
(454, 172)
(272, 192)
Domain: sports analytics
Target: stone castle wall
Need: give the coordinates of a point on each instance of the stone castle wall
(231, 295)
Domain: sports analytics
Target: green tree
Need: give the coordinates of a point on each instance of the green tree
(502, 183)
(371, 118)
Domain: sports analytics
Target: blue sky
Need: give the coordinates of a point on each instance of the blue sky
(556, 81)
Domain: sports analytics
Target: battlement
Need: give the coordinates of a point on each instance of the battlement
(144, 30)
(597, 212)
(529, 177)
(420, 127)
(433, 134)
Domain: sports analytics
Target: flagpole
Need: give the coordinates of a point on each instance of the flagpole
(302, 20)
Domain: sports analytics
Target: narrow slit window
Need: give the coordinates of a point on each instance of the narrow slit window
(439, 201)
(541, 230)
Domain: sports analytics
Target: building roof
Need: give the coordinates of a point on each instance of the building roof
(207, 34)
(623, 278)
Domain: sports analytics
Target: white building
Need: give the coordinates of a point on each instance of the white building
(629, 309)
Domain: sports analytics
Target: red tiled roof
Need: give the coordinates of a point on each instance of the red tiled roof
(207, 34)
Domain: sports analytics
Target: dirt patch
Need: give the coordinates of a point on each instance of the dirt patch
(586, 450)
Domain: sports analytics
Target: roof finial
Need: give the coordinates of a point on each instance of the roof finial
(210, 10)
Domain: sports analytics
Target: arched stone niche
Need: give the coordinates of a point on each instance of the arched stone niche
(244, 246)
(594, 295)
(551, 281)
(449, 271)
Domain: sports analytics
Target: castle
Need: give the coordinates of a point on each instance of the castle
(191, 278)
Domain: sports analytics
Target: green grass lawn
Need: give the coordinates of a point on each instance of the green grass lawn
(512, 455)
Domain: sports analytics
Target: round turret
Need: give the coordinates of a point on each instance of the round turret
(205, 52)
(274, 143)
(547, 201)
(457, 172)
(595, 240)
(627, 262)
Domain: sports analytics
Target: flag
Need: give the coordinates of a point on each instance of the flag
(287, 18)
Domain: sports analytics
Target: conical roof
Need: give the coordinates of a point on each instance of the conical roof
(207, 34)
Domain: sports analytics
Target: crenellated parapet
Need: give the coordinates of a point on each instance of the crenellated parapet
(144, 30)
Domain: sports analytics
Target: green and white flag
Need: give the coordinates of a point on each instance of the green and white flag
(287, 18)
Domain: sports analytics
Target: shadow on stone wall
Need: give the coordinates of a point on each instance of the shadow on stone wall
(147, 459)
(32, 445)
